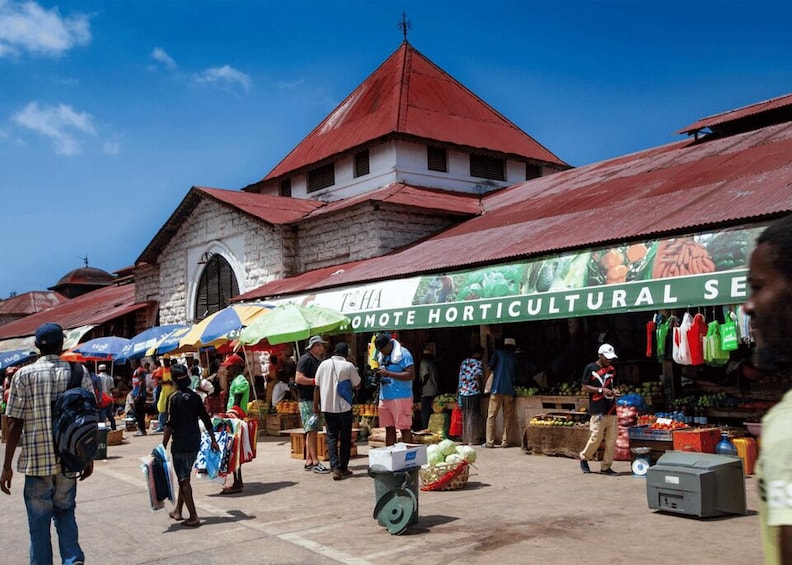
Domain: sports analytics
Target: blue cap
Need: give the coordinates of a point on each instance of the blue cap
(49, 334)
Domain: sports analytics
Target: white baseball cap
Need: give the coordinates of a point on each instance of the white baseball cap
(607, 350)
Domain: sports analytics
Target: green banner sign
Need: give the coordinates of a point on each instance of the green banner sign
(712, 289)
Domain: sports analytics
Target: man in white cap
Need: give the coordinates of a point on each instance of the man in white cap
(312, 421)
(598, 382)
(107, 384)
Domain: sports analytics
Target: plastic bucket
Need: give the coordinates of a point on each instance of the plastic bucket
(388, 481)
(101, 443)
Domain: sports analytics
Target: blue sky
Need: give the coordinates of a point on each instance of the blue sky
(111, 110)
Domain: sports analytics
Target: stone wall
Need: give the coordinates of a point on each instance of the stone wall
(362, 233)
(252, 248)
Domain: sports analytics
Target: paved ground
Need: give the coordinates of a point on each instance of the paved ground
(518, 509)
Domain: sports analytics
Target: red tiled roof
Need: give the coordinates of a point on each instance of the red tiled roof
(94, 308)
(684, 186)
(410, 95)
(31, 302)
(740, 113)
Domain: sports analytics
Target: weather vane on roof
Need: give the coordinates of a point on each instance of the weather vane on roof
(404, 25)
(85, 259)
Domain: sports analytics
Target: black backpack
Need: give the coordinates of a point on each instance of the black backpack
(75, 423)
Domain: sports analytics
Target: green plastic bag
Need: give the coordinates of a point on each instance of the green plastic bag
(729, 336)
(713, 352)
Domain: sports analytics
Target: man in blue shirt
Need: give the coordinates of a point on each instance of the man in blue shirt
(396, 372)
(503, 367)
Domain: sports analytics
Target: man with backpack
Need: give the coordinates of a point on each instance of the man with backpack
(49, 494)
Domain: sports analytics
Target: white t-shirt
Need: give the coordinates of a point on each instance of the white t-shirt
(331, 372)
(279, 392)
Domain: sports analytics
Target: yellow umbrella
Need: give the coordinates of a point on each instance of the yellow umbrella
(222, 326)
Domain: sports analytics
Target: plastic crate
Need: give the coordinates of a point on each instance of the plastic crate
(647, 434)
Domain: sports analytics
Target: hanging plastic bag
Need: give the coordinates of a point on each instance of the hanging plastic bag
(455, 427)
(713, 352)
(730, 339)
(681, 348)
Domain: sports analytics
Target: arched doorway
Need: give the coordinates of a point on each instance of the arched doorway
(215, 287)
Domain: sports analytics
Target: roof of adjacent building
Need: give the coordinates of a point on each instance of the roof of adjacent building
(30, 303)
(92, 308)
(281, 210)
(683, 186)
(747, 117)
(84, 276)
(411, 96)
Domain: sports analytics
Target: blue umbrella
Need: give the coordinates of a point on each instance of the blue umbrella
(15, 357)
(167, 343)
(100, 348)
(145, 340)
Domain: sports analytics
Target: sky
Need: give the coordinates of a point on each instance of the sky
(111, 110)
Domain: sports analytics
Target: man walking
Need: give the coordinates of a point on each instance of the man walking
(396, 372)
(49, 495)
(335, 379)
(503, 367)
(770, 310)
(185, 409)
(139, 394)
(107, 386)
(598, 381)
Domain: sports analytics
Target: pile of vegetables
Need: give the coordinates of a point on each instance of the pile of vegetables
(448, 452)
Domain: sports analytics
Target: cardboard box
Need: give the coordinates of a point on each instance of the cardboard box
(397, 457)
(701, 440)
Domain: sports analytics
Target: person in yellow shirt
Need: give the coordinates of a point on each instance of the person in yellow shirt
(770, 310)
(166, 389)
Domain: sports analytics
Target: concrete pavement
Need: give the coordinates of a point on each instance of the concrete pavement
(517, 508)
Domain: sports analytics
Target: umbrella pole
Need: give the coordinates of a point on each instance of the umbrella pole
(252, 376)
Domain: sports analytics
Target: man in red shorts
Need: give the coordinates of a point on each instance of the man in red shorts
(396, 372)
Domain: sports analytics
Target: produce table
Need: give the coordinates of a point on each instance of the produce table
(568, 441)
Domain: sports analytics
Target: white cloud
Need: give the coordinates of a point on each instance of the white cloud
(112, 147)
(291, 85)
(224, 75)
(27, 27)
(160, 55)
(59, 123)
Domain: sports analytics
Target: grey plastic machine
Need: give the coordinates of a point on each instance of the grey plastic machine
(698, 484)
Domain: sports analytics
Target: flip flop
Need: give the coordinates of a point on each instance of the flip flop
(231, 490)
(188, 524)
(174, 516)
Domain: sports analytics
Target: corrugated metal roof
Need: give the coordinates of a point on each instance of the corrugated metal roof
(411, 196)
(31, 302)
(675, 188)
(410, 95)
(92, 308)
(739, 113)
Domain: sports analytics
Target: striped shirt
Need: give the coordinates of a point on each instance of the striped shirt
(34, 389)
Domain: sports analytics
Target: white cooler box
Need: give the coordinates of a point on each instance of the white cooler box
(397, 457)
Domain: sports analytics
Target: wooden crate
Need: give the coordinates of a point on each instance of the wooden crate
(276, 423)
(321, 446)
(114, 437)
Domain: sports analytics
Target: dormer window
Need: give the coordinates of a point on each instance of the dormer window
(436, 159)
(532, 171)
(485, 167)
(361, 163)
(321, 177)
(285, 188)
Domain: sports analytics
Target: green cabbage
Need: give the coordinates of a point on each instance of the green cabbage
(447, 447)
(467, 453)
(435, 457)
(453, 458)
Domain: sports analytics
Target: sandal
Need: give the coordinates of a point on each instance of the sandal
(231, 490)
(189, 524)
(174, 516)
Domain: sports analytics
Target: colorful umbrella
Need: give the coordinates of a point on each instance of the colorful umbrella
(168, 343)
(222, 326)
(292, 322)
(15, 357)
(142, 342)
(99, 349)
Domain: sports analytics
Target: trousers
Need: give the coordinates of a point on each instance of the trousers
(50, 500)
